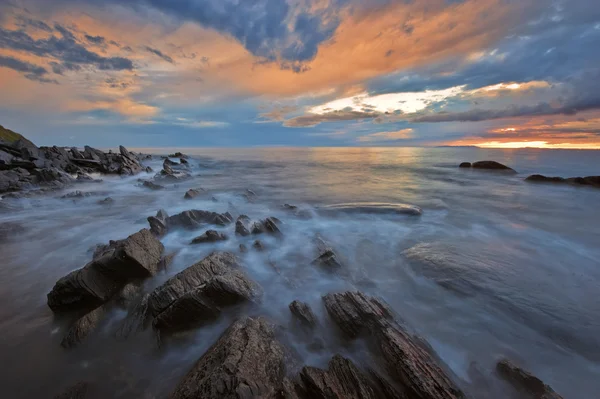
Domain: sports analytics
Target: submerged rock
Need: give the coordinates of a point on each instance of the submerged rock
(402, 355)
(193, 193)
(76, 195)
(487, 165)
(327, 258)
(137, 320)
(83, 327)
(209, 236)
(198, 293)
(106, 201)
(113, 266)
(524, 381)
(152, 185)
(592, 181)
(258, 245)
(246, 362)
(303, 313)
(372, 207)
(465, 165)
(243, 225)
(194, 219)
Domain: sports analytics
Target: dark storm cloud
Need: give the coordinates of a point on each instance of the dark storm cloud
(30, 71)
(160, 54)
(65, 48)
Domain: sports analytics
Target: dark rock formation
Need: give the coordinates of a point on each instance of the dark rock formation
(258, 245)
(106, 201)
(198, 293)
(487, 165)
(243, 225)
(113, 266)
(194, 219)
(152, 185)
(178, 155)
(402, 355)
(303, 313)
(128, 294)
(243, 248)
(158, 223)
(246, 362)
(76, 195)
(327, 258)
(77, 391)
(83, 327)
(343, 380)
(591, 181)
(137, 320)
(209, 236)
(193, 193)
(524, 381)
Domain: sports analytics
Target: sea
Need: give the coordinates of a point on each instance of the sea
(495, 267)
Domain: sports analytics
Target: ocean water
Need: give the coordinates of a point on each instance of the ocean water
(495, 267)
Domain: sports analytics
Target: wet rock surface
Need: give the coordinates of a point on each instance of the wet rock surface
(112, 267)
(210, 236)
(83, 327)
(246, 362)
(193, 193)
(303, 313)
(487, 165)
(402, 355)
(590, 181)
(525, 382)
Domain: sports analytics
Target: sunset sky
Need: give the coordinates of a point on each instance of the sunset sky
(150, 73)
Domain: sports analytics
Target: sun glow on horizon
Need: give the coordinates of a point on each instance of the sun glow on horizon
(538, 144)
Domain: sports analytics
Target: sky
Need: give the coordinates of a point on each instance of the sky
(179, 73)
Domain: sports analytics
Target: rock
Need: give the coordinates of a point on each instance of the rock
(137, 320)
(193, 193)
(125, 153)
(194, 219)
(152, 186)
(113, 266)
(166, 261)
(158, 223)
(128, 294)
(492, 165)
(243, 225)
(77, 391)
(342, 380)
(303, 313)
(524, 381)
(592, 181)
(106, 201)
(178, 155)
(372, 208)
(148, 169)
(258, 245)
(76, 194)
(246, 362)
(183, 161)
(401, 354)
(327, 258)
(208, 237)
(83, 327)
(197, 294)
(168, 163)
(289, 207)
(243, 248)
(465, 165)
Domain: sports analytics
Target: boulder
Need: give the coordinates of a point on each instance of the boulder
(113, 266)
(158, 223)
(303, 313)
(592, 181)
(492, 165)
(402, 355)
(193, 193)
(194, 219)
(524, 381)
(198, 293)
(152, 185)
(83, 327)
(465, 165)
(343, 380)
(209, 236)
(246, 362)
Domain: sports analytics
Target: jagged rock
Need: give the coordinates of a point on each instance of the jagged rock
(113, 266)
(77, 391)
(208, 237)
(137, 320)
(193, 193)
(243, 225)
(342, 380)
(178, 155)
(83, 327)
(194, 219)
(524, 381)
(125, 152)
(465, 165)
(246, 362)
(76, 194)
(158, 223)
(401, 354)
(327, 258)
(152, 186)
(197, 294)
(303, 313)
(592, 181)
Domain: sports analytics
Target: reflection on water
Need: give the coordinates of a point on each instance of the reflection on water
(494, 267)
